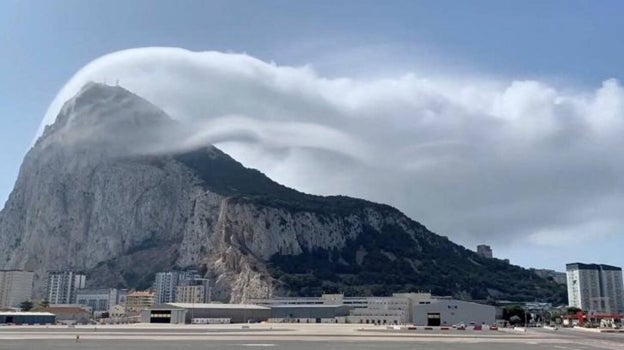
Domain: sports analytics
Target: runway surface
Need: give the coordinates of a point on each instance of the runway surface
(295, 337)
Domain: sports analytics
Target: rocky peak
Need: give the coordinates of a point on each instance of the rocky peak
(109, 119)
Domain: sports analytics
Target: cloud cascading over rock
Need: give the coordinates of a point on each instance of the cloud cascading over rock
(474, 159)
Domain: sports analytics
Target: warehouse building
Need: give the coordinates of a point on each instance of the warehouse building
(401, 308)
(446, 312)
(308, 313)
(205, 313)
(30, 318)
(164, 313)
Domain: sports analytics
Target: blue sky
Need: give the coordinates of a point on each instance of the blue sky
(573, 45)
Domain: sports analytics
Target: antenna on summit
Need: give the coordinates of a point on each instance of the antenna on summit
(117, 82)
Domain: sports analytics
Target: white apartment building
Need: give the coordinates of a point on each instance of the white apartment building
(597, 289)
(62, 286)
(196, 291)
(166, 284)
(15, 287)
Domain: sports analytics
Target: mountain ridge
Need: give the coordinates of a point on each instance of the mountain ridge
(89, 196)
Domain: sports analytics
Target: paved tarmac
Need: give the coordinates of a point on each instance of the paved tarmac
(295, 337)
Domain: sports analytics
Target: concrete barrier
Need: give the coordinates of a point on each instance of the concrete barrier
(598, 330)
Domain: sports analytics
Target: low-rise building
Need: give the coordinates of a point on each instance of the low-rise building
(164, 313)
(448, 312)
(378, 316)
(400, 308)
(393, 310)
(308, 313)
(139, 300)
(29, 318)
(69, 314)
(99, 300)
(117, 314)
(205, 313)
(237, 313)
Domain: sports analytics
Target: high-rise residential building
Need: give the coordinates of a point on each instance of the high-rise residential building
(598, 289)
(485, 251)
(166, 283)
(62, 286)
(15, 287)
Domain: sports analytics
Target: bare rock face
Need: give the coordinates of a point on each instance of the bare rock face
(96, 194)
(87, 199)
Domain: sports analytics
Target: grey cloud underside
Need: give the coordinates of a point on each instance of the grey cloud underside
(94, 195)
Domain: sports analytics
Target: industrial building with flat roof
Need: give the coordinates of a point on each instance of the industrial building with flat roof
(401, 308)
(186, 312)
(448, 312)
(308, 313)
(29, 318)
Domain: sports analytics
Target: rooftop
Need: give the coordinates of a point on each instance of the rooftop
(141, 294)
(25, 313)
(61, 310)
(318, 306)
(581, 266)
(218, 306)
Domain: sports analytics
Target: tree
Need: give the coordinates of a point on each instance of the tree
(26, 305)
(44, 304)
(510, 311)
(515, 320)
(573, 310)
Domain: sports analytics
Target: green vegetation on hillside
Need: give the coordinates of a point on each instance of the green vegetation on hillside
(442, 268)
(225, 176)
(390, 260)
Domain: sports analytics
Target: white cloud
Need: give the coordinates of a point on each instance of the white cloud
(475, 159)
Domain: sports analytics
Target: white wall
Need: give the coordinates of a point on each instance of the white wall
(454, 312)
